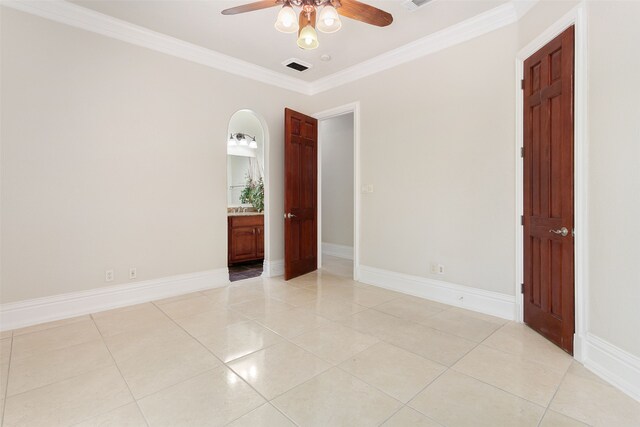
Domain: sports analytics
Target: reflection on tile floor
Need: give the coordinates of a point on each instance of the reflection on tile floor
(246, 270)
(319, 350)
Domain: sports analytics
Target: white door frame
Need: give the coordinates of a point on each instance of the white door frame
(327, 114)
(578, 17)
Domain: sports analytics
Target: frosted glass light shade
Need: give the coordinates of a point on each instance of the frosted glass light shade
(231, 142)
(287, 21)
(329, 20)
(253, 144)
(308, 38)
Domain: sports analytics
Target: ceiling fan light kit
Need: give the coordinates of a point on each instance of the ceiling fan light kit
(308, 37)
(287, 21)
(328, 20)
(328, 17)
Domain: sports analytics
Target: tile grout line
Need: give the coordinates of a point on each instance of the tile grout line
(411, 351)
(75, 375)
(23, 334)
(500, 388)
(216, 357)
(105, 413)
(546, 409)
(136, 400)
(179, 382)
(404, 405)
(6, 392)
(226, 365)
(288, 340)
(115, 363)
(331, 366)
(423, 389)
(450, 368)
(266, 403)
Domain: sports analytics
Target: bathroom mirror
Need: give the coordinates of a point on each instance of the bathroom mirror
(245, 161)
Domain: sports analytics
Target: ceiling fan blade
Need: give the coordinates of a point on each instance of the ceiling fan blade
(363, 12)
(264, 4)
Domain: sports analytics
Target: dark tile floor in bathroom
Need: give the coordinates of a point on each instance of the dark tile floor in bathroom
(246, 270)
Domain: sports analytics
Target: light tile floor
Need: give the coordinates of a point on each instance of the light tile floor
(320, 350)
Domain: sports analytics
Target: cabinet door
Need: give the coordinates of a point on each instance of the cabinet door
(243, 243)
(260, 242)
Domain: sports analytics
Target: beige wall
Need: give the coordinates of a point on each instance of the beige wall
(541, 17)
(437, 143)
(614, 172)
(336, 146)
(114, 156)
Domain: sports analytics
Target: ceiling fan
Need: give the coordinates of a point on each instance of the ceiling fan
(328, 20)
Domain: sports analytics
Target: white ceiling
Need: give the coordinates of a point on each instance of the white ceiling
(251, 36)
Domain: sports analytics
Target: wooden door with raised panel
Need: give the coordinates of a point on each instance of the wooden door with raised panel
(301, 194)
(548, 191)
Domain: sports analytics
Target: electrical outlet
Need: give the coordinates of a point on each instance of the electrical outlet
(440, 269)
(132, 273)
(108, 276)
(434, 268)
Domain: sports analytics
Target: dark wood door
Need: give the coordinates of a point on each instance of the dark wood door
(301, 189)
(548, 191)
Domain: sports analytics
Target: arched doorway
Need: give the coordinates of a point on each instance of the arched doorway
(247, 195)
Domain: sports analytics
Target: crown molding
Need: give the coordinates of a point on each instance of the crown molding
(90, 20)
(476, 26)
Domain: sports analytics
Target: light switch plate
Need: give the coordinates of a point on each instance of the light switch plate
(367, 188)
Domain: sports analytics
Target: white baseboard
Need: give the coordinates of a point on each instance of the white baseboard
(614, 365)
(273, 268)
(579, 347)
(340, 251)
(39, 310)
(492, 303)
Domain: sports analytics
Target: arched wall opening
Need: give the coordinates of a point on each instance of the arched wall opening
(248, 193)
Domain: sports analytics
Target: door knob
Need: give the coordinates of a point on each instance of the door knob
(562, 232)
(289, 215)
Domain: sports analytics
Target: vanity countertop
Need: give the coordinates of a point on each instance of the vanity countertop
(244, 213)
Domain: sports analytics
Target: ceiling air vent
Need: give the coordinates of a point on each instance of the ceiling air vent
(296, 64)
(414, 4)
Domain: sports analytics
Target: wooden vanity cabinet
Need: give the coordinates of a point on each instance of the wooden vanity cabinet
(246, 238)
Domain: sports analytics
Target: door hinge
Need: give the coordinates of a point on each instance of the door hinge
(522, 84)
(522, 152)
(521, 219)
(522, 288)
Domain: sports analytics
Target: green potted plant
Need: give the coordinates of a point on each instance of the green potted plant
(253, 193)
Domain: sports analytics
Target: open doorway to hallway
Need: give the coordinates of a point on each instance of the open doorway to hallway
(336, 158)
